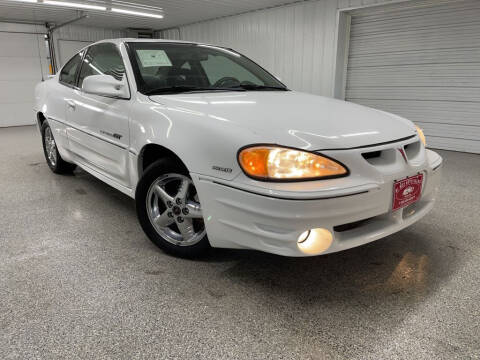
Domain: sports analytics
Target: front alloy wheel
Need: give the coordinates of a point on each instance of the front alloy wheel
(169, 209)
(174, 210)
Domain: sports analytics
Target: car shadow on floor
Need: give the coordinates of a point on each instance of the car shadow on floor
(407, 266)
(375, 287)
(363, 295)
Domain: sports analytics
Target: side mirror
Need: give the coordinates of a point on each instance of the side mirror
(106, 85)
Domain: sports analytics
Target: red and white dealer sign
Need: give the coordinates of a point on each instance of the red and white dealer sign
(407, 191)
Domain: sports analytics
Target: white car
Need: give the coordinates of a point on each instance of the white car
(208, 142)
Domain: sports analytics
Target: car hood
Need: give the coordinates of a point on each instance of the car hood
(293, 119)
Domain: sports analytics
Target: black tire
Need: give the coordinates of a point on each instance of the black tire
(151, 174)
(56, 164)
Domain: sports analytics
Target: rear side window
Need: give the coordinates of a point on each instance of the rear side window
(102, 59)
(68, 74)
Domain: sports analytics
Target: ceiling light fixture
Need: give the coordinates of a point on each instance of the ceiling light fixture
(93, 7)
(137, 13)
(27, 1)
(74, 5)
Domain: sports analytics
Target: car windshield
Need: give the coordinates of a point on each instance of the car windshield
(162, 68)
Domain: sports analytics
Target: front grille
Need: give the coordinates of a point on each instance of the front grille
(372, 155)
(412, 150)
(386, 158)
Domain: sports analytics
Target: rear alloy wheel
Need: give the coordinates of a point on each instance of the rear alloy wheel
(169, 211)
(50, 147)
(54, 160)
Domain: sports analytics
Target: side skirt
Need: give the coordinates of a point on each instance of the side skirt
(127, 191)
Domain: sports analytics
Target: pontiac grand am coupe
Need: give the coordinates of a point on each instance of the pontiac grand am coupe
(208, 143)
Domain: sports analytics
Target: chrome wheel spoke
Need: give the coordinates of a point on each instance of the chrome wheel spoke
(164, 219)
(194, 210)
(52, 154)
(186, 228)
(182, 190)
(162, 194)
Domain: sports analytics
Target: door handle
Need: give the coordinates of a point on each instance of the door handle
(71, 104)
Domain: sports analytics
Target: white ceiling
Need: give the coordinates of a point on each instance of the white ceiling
(176, 12)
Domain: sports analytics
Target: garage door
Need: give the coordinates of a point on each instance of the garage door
(421, 62)
(20, 69)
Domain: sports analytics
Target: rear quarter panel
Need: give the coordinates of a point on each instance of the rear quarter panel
(50, 101)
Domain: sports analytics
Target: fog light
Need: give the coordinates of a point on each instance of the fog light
(315, 241)
(304, 236)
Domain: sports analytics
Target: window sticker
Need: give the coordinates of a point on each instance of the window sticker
(150, 58)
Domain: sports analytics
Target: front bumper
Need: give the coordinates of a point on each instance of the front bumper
(236, 218)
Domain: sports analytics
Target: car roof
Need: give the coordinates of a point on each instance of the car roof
(123, 40)
(119, 41)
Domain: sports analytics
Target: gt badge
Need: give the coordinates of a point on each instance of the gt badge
(223, 169)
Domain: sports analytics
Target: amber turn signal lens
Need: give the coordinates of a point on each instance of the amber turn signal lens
(421, 135)
(277, 163)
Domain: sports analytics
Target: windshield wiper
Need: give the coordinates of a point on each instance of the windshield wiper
(182, 89)
(261, 87)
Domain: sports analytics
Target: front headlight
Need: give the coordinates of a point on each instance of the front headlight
(421, 135)
(274, 163)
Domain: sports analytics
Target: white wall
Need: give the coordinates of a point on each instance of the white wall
(294, 42)
(69, 39)
(297, 42)
(23, 63)
(349, 4)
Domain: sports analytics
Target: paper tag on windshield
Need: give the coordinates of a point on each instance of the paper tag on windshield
(150, 58)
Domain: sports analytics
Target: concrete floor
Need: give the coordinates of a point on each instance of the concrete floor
(79, 279)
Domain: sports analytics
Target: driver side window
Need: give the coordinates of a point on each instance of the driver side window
(102, 59)
(218, 67)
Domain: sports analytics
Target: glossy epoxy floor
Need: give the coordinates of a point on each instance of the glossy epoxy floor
(79, 279)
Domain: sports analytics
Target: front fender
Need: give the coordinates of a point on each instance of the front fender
(206, 144)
